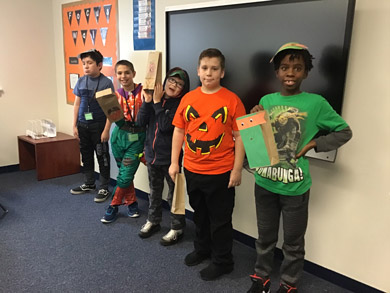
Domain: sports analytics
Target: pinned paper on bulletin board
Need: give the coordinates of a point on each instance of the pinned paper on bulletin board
(88, 24)
(258, 138)
(144, 23)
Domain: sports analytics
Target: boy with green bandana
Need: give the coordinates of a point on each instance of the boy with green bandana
(284, 188)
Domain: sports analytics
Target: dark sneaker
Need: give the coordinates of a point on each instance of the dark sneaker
(194, 258)
(133, 210)
(284, 288)
(172, 237)
(111, 215)
(214, 271)
(83, 189)
(259, 285)
(148, 230)
(102, 195)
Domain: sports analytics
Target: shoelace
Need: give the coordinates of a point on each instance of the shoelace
(146, 226)
(172, 234)
(260, 278)
(288, 288)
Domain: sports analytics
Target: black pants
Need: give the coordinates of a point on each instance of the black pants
(156, 184)
(294, 211)
(90, 143)
(213, 204)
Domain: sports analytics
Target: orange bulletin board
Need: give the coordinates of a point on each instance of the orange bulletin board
(90, 24)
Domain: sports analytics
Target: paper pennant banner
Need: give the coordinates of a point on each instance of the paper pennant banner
(96, 10)
(84, 35)
(92, 32)
(87, 12)
(78, 16)
(103, 33)
(70, 15)
(74, 36)
(107, 11)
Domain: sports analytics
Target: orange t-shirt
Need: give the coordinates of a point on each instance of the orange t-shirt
(208, 121)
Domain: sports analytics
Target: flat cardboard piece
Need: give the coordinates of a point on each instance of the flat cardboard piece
(178, 201)
(258, 138)
(153, 70)
(108, 101)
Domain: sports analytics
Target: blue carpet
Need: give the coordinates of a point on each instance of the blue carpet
(52, 241)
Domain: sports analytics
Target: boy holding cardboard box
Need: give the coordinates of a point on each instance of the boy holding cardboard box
(127, 142)
(284, 188)
(91, 126)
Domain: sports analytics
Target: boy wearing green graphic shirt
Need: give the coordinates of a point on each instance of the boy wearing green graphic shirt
(284, 188)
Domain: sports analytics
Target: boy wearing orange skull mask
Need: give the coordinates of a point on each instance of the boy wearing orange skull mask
(206, 122)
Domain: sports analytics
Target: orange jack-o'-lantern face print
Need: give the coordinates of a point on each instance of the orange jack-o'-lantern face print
(207, 133)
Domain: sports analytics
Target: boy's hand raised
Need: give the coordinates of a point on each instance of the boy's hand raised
(257, 108)
(158, 93)
(148, 96)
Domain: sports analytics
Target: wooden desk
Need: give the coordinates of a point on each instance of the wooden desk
(52, 157)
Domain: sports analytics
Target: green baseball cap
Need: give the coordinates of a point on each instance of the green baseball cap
(180, 73)
(291, 45)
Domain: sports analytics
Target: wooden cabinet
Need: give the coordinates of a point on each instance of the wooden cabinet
(51, 157)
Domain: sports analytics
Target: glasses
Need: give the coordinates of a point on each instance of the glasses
(171, 80)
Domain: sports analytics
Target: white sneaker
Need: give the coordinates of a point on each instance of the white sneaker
(148, 229)
(172, 237)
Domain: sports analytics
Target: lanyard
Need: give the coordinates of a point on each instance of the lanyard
(93, 95)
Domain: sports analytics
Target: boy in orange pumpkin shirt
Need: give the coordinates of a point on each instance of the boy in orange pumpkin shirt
(206, 121)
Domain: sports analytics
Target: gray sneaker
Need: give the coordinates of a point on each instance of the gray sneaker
(102, 195)
(83, 189)
(148, 230)
(172, 237)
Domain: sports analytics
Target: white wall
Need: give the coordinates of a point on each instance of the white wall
(349, 211)
(27, 71)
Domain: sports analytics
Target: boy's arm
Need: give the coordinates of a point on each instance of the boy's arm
(239, 153)
(106, 132)
(333, 140)
(177, 144)
(76, 107)
(328, 142)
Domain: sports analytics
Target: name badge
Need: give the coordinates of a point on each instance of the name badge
(88, 116)
(133, 136)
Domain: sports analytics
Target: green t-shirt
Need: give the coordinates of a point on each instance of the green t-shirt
(295, 121)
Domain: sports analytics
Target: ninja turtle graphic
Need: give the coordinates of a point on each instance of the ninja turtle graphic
(287, 131)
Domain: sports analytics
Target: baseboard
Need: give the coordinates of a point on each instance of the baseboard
(10, 168)
(312, 268)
